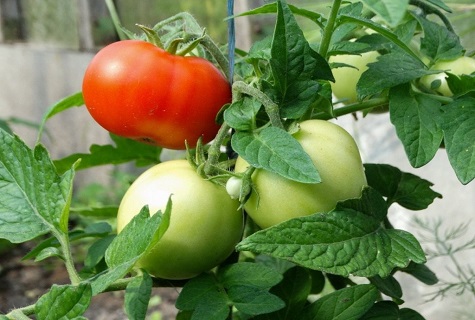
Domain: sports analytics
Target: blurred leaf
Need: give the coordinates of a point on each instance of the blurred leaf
(137, 296)
(391, 11)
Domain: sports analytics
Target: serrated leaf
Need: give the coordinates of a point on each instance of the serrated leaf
(296, 67)
(247, 273)
(253, 301)
(416, 118)
(241, 115)
(138, 236)
(389, 71)
(344, 304)
(64, 302)
(458, 125)
(34, 198)
(137, 297)
(276, 150)
(439, 43)
(125, 150)
(343, 242)
(406, 189)
(391, 11)
(205, 297)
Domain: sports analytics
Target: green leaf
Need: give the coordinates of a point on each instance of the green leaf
(458, 125)
(241, 115)
(276, 150)
(64, 302)
(294, 291)
(125, 150)
(388, 286)
(137, 296)
(438, 42)
(253, 301)
(138, 236)
(34, 198)
(96, 212)
(391, 11)
(416, 118)
(345, 304)
(343, 242)
(422, 273)
(97, 251)
(74, 100)
(389, 71)
(406, 189)
(295, 66)
(205, 296)
(249, 274)
(460, 84)
(389, 310)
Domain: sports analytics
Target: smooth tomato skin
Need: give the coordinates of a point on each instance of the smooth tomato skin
(136, 90)
(346, 78)
(205, 223)
(336, 157)
(462, 65)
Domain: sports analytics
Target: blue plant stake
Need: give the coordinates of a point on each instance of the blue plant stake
(231, 39)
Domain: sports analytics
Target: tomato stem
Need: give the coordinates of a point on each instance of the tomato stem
(272, 109)
(328, 30)
(214, 150)
(354, 107)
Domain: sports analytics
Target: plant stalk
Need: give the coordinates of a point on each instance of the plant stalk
(329, 27)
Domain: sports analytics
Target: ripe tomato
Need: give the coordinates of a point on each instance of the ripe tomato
(136, 90)
(336, 157)
(462, 65)
(205, 222)
(346, 78)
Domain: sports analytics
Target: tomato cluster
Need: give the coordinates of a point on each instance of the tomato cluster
(137, 90)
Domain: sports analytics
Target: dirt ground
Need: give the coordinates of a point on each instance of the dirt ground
(23, 282)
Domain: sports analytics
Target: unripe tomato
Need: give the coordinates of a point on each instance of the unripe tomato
(205, 222)
(462, 65)
(346, 78)
(136, 90)
(336, 157)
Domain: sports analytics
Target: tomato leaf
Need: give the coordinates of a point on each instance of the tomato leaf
(422, 273)
(389, 310)
(34, 198)
(343, 241)
(125, 150)
(205, 297)
(250, 300)
(138, 236)
(461, 84)
(277, 151)
(389, 71)
(458, 124)
(64, 302)
(249, 274)
(391, 11)
(344, 304)
(241, 115)
(406, 189)
(388, 286)
(296, 67)
(137, 296)
(438, 42)
(416, 118)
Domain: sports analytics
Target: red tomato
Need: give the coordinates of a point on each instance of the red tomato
(136, 90)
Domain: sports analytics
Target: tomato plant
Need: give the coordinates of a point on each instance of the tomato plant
(137, 90)
(205, 223)
(337, 159)
(348, 75)
(277, 216)
(459, 66)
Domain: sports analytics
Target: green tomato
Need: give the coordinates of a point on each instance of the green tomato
(205, 222)
(346, 78)
(462, 65)
(275, 199)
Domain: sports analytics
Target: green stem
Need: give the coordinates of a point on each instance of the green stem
(351, 108)
(329, 27)
(116, 20)
(272, 109)
(220, 58)
(22, 313)
(68, 258)
(214, 150)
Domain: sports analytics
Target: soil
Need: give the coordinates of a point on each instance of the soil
(23, 282)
